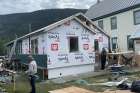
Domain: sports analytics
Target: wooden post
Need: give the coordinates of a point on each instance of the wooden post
(43, 74)
(30, 29)
(14, 87)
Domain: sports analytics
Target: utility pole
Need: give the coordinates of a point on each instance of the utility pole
(13, 49)
(12, 52)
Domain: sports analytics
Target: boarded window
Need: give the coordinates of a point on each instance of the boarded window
(114, 43)
(100, 24)
(34, 46)
(113, 23)
(137, 17)
(73, 44)
(130, 43)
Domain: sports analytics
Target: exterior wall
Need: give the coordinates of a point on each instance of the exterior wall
(125, 26)
(25, 46)
(72, 70)
(42, 43)
(103, 41)
(61, 62)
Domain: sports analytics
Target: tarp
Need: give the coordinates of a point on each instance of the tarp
(41, 60)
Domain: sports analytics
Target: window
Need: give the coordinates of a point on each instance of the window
(19, 47)
(100, 24)
(114, 43)
(130, 43)
(34, 46)
(113, 23)
(137, 17)
(73, 44)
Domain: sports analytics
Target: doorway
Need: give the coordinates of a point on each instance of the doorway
(97, 55)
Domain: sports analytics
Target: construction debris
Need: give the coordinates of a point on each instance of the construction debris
(117, 91)
(111, 83)
(6, 79)
(108, 84)
(6, 76)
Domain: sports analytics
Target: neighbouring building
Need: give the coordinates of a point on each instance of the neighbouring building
(69, 45)
(136, 37)
(120, 18)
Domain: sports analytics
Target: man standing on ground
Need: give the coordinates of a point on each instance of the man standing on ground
(32, 70)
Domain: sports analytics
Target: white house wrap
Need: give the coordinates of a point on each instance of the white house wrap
(69, 45)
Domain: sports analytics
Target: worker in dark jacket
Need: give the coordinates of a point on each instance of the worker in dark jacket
(103, 58)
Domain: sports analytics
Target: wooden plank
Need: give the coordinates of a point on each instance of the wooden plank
(120, 53)
(10, 71)
(74, 89)
(118, 91)
(71, 90)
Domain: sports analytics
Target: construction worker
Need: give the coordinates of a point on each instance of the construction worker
(103, 58)
(32, 70)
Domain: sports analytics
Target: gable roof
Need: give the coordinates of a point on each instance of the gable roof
(78, 17)
(109, 7)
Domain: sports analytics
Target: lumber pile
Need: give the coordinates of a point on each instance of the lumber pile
(71, 90)
(74, 89)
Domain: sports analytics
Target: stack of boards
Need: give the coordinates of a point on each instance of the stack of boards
(74, 89)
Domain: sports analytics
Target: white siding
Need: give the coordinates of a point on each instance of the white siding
(125, 26)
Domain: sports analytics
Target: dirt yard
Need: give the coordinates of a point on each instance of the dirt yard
(22, 84)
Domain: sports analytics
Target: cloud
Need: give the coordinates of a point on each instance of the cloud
(18, 6)
(76, 3)
(68, 4)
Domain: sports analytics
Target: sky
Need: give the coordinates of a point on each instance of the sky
(19, 6)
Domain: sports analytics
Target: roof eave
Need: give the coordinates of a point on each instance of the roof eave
(116, 12)
(97, 27)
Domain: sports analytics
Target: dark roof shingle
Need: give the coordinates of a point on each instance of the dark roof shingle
(109, 6)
